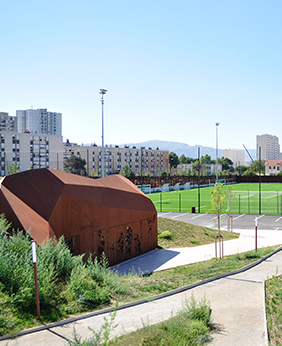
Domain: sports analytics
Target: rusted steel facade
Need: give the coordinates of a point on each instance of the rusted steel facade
(108, 215)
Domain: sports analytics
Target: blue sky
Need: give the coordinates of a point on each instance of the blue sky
(172, 68)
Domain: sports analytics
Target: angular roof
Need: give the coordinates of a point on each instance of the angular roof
(34, 200)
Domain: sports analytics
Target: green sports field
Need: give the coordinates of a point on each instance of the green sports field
(246, 200)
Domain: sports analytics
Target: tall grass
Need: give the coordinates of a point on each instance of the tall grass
(66, 284)
(189, 326)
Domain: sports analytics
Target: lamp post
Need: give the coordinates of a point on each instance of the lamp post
(103, 92)
(216, 152)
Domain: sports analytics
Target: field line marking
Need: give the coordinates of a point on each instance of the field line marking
(238, 217)
(278, 219)
(164, 213)
(195, 217)
(174, 217)
(260, 216)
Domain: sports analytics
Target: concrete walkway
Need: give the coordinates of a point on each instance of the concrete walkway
(237, 301)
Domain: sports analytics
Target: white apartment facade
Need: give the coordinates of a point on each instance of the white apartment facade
(237, 156)
(269, 147)
(150, 160)
(30, 151)
(39, 121)
(7, 122)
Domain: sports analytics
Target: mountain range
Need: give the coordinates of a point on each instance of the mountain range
(185, 149)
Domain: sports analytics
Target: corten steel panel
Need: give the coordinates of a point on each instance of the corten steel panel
(39, 190)
(105, 215)
(30, 221)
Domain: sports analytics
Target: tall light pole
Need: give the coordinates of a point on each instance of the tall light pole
(103, 92)
(216, 152)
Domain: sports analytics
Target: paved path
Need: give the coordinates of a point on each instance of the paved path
(237, 301)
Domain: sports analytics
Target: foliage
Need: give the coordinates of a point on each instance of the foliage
(13, 169)
(191, 325)
(75, 165)
(241, 169)
(216, 201)
(126, 172)
(273, 302)
(206, 160)
(226, 163)
(66, 283)
(229, 196)
(102, 337)
(258, 166)
(165, 235)
(173, 160)
(183, 159)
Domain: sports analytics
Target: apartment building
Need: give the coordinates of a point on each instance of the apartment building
(7, 122)
(137, 159)
(39, 121)
(269, 147)
(237, 156)
(29, 151)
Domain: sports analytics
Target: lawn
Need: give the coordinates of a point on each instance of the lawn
(246, 200)
(174, 234)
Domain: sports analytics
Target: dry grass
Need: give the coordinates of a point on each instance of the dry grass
(173, 234)
(274, 309)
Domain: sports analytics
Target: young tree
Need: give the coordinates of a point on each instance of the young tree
(12, 169)
(182, 159)
(126, 172)
(229, 195)
(216, 201)
(75, 165)
(173, 160)
(258, 166)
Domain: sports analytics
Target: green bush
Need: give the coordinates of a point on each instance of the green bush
(55, 253)
(165, 235)
(84, 289)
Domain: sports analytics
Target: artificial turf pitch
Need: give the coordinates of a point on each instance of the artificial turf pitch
(246, 200)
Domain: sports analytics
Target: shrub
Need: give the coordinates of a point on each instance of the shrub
(84, 289)
(165, 235)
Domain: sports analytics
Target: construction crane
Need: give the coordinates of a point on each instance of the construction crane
(248, 153)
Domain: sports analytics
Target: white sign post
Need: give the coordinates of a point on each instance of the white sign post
(256, 233)
(33, 248)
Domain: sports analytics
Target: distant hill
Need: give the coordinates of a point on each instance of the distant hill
(187, 150)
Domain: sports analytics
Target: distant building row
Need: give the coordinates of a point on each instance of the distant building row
(30, 151)
(267, 148)
(138, 160)
(36, 121)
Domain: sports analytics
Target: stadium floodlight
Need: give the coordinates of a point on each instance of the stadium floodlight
(216, 152)
(103, 92)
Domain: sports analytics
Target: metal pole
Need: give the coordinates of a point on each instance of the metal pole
(216, 152)
(259, 181)
(199, 196)
(103, 92)
(249, 201)
(256, 233)
(33, 247)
